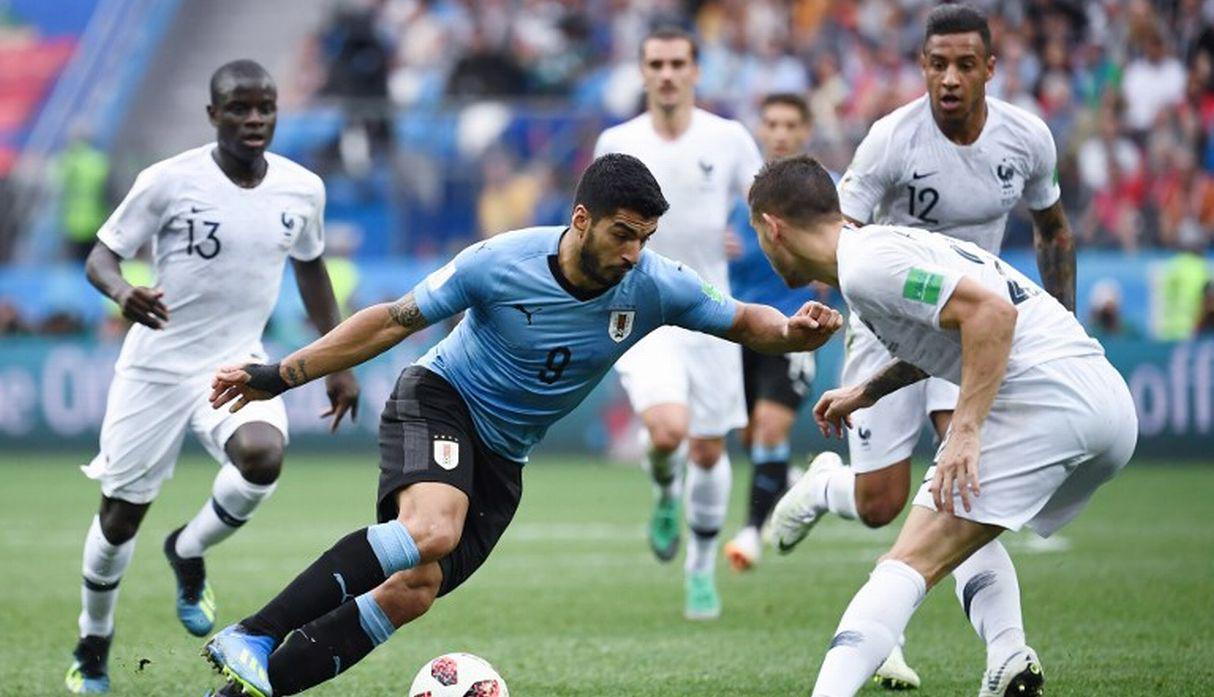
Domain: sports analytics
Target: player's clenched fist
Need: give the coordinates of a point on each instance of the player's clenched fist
(814, 324)
(246, 383)
(143, 305)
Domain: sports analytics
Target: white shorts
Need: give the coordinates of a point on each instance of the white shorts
(1053, 436)
(145, 424)
(887, 431)
(677, 366)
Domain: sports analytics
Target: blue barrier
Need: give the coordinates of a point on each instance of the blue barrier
(53, 394)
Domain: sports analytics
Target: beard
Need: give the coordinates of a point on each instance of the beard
(590, 266)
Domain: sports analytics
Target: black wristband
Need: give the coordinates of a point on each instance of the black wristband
(266, 378)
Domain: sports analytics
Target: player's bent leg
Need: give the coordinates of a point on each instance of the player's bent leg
(358, 563)
(323, 649)
(770, 424)
(930, 546)
(255, 453)
(881, 495)
(708, 483)
(666, 426)
(108, 548)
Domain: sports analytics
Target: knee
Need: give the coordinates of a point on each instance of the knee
(880, 509)
(259, 460)
(120, 522)
(705, 453)
(407, 595)
(666, 437)
(434, 534)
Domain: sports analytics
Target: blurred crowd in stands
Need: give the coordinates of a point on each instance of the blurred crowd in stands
(1126, 86)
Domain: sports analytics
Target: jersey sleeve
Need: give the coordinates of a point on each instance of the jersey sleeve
(750, 161)
(869, 176)
(140, 215)
(1041, 189)
(311, 242)
(458, 285)
(602, 146)
(690, 302)
(897, 278)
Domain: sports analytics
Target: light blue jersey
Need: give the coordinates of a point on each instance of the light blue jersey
(531, 346)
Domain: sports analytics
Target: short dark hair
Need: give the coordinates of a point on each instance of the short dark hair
(797, 189)
(240, 69)
(958, 19)
(669, 32)
(617, 181)
(791, 99)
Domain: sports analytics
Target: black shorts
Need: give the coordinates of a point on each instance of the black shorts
(783, 379)
(426, 434)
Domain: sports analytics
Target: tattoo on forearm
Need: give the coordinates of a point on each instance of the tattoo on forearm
(893, 377)
(293, 376)
(1055, 248)
(406, 313)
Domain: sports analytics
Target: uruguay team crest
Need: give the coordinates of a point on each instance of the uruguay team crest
(446, 453)
(620, 324)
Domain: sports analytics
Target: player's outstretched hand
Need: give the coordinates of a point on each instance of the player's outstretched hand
(343, 396)
(956, 470)
(814, 324)
(143, 305)
(833, 411)
(231, 382)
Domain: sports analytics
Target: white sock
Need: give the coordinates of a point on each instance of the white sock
(666, 469)
(870, 628)
(102, 569)
(835, 491)
(707, 503)
(233, 500)
(990, 595)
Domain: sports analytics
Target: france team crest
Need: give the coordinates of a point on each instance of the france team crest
(620, 324)
(446, 453)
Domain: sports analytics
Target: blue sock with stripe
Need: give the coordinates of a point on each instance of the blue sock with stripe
(325, 648)
(358, 562)
(769, 480)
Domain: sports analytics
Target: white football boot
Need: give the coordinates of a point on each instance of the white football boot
(795, 514)
(1019, 676)
(744, 550)
(895, 674)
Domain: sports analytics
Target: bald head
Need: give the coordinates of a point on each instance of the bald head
(238, 74)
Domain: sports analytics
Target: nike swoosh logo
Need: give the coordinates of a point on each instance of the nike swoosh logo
(916, 175)
(196, 209)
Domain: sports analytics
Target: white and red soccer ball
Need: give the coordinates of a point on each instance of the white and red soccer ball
(458, 675)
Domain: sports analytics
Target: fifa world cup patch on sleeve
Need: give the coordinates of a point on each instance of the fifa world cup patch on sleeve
(922, 286)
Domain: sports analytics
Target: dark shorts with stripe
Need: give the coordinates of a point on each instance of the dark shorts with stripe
(426, 434)
(783, 379)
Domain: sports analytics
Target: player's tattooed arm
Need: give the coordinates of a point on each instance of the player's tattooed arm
(406, 313)
(891, 378)
(1055, 247)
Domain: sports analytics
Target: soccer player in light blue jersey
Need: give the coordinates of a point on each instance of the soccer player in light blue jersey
(548, 311)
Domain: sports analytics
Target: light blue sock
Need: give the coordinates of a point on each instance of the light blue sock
(393, 546)
(373, 620)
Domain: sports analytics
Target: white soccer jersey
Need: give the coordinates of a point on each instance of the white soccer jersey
(897, 279)
(906, 172)
(701, 172)
(219, 252)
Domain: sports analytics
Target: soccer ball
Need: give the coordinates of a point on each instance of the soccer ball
(458, 675)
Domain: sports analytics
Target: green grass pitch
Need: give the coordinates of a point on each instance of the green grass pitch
(572, 603)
